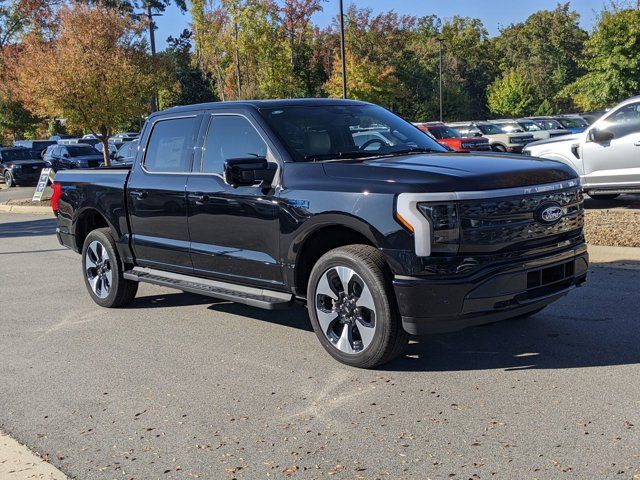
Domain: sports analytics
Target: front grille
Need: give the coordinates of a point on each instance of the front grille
(509, 224)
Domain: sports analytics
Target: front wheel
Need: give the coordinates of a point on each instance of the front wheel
(103, 271)
(8, 179)
(352, 307)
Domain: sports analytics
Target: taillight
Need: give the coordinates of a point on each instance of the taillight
(55, 198)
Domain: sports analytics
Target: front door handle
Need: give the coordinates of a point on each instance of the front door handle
(637, 144)
(199, 199)
(139, 194)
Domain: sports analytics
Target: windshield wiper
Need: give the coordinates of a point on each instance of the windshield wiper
(340, 156)
(405, 151)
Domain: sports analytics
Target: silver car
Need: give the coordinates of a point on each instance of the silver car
(606, 154)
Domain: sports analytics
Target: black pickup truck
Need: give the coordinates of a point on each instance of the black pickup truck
(339, 204)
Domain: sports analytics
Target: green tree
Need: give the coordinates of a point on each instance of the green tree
(513, 94)
(612, 61)
(185, 83)
(549, 45)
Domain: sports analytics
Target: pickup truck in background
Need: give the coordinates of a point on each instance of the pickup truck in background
(500, 140)
(606, 154)
(268, 203)
(529, 126)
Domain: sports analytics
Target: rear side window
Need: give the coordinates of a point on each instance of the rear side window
(230, 136)
(170, 146)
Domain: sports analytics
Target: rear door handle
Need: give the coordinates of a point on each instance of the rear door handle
(199, 199)
(139, 194)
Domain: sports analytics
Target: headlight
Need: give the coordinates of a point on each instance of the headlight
(16, 168)
(445, 226)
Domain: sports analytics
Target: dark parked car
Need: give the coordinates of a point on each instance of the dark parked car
(79, 155)
(18, 167)
(271, 202)
(37, 147)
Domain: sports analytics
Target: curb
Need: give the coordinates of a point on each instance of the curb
(618, 257)
(18, 462)
(8, 208)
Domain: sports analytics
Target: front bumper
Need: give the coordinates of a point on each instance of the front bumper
(432, 305)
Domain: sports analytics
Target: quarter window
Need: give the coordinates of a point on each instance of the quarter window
(230, 136)
(170, 146)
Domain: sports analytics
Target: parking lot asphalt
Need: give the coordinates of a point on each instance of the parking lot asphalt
(182, 386)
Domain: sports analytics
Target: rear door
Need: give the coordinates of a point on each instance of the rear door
(616, 161)
(156, 194)
(234, 231)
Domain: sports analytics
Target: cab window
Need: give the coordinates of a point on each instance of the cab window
(228, 137)
(169, 149)
(624, 121)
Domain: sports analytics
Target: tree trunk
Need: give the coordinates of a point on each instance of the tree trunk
(105, 150)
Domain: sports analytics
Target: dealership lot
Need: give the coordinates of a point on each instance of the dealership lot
(181, 386)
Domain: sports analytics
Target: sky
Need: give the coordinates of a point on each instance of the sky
(494, 13)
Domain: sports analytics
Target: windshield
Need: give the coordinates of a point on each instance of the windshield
(443, 132)
(18, 154)
(328, 132)
(511, 127)
(80, 150)
(490, 129)
(530, 126)
(570, 123)
(549, 124)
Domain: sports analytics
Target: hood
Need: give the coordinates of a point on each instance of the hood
(448, 172)
(560, 139)
(26, 163)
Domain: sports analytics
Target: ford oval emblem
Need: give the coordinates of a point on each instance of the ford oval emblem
(549, 213)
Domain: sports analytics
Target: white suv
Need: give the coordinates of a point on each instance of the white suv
(606, 155)
(500, 140)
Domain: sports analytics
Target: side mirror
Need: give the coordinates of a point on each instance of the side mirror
(246, 171)
(600, 136)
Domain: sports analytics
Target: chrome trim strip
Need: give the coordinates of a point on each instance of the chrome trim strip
(407, 206)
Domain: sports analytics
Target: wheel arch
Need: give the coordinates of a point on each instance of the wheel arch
(332, 232)
(88, 220)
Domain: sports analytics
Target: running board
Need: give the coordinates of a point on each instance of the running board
(256, 297)
(612, 191)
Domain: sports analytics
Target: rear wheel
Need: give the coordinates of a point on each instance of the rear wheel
(352, 309)
(8, 179)
(604, 196)
(103, 271)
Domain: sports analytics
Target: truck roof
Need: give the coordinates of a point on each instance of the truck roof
(292, 102)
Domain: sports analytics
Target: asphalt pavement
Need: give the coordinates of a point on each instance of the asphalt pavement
(181, 386)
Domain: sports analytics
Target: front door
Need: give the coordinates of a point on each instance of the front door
(156, 195)
(234, 231)
(616, 161)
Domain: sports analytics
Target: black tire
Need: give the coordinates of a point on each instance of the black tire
(8, 179)
(120, 291)
(604, 196)
(499, 148)
(388, 339)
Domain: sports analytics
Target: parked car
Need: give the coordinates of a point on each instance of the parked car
(451, 138)
(499, 140)
(575, 121)
(57, 138)
(125, 136)
(113, 147)
(80, 155)
(554, 123)
(126, 153)
(37, 147)
(529, 126)
(606, 155)
(18, 167)
(280, 205)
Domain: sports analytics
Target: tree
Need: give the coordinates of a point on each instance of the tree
(94, 71)
(513, 94)
(185, 82)
(612, 61)
(548, 45)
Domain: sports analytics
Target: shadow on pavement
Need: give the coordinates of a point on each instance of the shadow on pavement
(30, 228)
(623, 202)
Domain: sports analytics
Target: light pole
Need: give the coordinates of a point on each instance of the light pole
(152, 43)
(342, 53)
(440, 40)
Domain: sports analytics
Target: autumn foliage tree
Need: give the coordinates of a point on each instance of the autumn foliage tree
(92, 70)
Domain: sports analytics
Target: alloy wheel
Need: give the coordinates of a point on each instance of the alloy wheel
(345, 309)
(98, 269)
